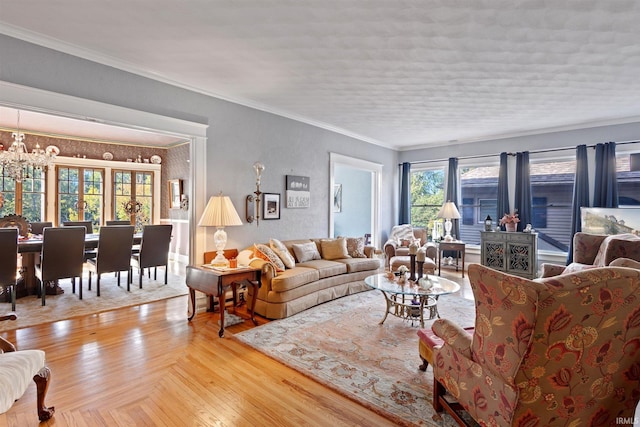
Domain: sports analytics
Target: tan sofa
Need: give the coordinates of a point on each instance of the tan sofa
(310, 283)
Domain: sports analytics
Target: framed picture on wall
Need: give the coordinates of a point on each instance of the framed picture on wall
(298, 191)
(337, 197)
(175, 193)
(271, 206)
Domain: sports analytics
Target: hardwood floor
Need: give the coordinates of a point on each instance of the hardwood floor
(147, 365)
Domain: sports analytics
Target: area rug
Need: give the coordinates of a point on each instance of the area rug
(30, 311)
(340, 344)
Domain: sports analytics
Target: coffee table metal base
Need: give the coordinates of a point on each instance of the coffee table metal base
(409, 307)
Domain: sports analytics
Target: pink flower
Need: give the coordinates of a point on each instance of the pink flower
(511, 218)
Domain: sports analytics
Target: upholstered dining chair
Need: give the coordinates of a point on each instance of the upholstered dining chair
(117, 222)
(154, 251)
(62, 256)
(88, 253)
(114, 253)
(9, 262)
(556, 351)
(38, 226)
(86, 224)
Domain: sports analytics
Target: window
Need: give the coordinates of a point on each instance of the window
(628, 180)
(552, 196)
(80, 194)
(427, 196)
(133, 197)
(479, 195)
(24, 198)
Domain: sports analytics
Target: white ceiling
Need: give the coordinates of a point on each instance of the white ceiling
(399, 73)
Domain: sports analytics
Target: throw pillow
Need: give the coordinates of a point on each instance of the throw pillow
(355, 247)
(334, 248)
(306, 251)
(245, 257)
(265, 252)
(281, 250)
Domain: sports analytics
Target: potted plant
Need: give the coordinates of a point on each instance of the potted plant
(510, 221)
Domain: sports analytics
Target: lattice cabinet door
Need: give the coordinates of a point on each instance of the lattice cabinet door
(513, 253)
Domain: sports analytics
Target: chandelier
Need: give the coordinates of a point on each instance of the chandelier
(18, 163)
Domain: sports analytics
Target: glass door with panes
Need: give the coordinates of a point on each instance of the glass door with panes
(80, 195)
(133, 197)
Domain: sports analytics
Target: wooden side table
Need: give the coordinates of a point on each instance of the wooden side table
(457, 246)
(215, 282)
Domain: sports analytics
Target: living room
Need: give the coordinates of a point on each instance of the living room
(50, 75)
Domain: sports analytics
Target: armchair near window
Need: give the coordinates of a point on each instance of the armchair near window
(553, 351)
(397, 246)
(596, 250)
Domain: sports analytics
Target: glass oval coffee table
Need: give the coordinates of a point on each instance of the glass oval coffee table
(408, 301)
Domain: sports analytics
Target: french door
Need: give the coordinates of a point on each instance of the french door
(133, 197)
(80, 194)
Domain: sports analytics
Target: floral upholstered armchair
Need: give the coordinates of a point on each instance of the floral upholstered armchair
(558, 351)
(596, 250)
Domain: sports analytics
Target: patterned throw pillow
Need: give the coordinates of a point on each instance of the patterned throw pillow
(306, 251)
(334, 248)
(264, 252)
(355, 247)
(281, 250)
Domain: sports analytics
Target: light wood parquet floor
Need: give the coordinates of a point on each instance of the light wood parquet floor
(149, 366)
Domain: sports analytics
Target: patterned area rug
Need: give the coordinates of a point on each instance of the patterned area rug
(341, 345)
(30, 312)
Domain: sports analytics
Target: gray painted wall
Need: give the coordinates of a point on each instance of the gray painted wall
(237, 137)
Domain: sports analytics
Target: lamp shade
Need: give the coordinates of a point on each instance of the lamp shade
(449, 211)
(219, 213)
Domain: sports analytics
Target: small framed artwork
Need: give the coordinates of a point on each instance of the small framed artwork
(298, 191)
(175, 193)
(337, 197)
(271, 206)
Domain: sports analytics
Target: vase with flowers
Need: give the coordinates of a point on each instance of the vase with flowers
(510, 221)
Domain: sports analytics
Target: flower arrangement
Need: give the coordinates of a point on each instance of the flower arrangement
(511, 218)
(403, 269)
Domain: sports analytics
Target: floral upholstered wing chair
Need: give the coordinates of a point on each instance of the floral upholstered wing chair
(557, 351)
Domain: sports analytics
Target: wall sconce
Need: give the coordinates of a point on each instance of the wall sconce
(252, 204)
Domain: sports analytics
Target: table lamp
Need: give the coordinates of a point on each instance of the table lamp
(219, 213)
(448, 212)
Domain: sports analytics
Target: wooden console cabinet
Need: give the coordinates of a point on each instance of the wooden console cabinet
(513, 253)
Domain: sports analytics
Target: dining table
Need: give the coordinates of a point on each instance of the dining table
(30, 248)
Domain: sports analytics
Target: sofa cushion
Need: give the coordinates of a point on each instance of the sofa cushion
(283, 253)
(294, 278)
(306, 251)
(334, 248)
(355, 247)
(361, 264)
(264, 252)
(325, 267)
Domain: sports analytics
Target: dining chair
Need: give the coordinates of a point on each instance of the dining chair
(62, 256)
(86, 224)
(117, 222)
(88, 253)
(9, 262)
(37, 227)
(154, 251)
(114, 253)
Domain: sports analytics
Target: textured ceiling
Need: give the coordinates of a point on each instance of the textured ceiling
(399, 73)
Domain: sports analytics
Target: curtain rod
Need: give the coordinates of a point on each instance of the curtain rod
(480, 156)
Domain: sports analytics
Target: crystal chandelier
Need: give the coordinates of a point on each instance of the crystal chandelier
(18, 163)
